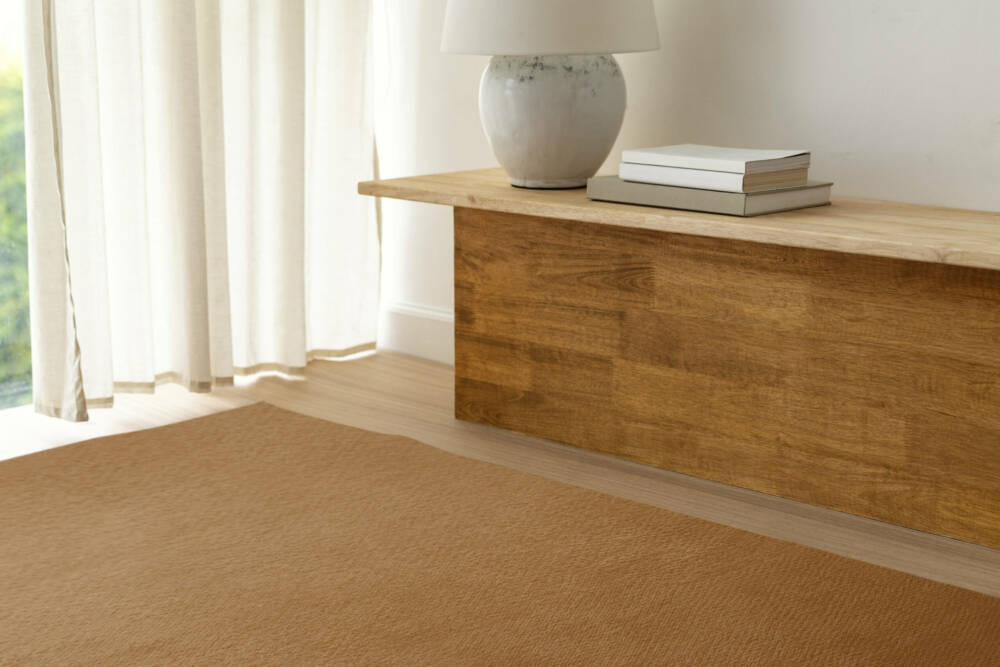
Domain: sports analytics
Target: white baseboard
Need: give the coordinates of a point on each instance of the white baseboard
(423, 331)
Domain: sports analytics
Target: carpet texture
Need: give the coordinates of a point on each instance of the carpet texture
(260, 536)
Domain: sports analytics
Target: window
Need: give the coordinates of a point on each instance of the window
(15, 351)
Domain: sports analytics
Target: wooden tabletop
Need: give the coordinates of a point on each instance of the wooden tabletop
(863, 227)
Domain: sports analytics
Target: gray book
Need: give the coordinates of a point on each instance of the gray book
(614, 189)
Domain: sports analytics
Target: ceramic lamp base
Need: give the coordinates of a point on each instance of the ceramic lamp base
(551, 120)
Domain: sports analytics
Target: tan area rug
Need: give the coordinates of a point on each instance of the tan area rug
(259, 536)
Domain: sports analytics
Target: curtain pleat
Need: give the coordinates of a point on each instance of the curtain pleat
(263, 70)
(56, 370)
(75, 56)
(123, 148)
(195, 162)
(213, 165)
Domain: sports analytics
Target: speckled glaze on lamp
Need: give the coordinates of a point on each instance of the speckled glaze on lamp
(551, 120)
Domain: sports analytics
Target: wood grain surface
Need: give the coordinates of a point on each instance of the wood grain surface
(864, 384)
(882, 229)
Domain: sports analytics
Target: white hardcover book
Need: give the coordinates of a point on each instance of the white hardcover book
(682, 178)
(718, 158)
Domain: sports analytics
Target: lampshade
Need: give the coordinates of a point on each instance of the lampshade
(549, 27)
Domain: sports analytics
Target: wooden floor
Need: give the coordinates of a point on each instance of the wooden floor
(393, 393)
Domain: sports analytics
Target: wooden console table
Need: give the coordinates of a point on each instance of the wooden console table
(846, 356)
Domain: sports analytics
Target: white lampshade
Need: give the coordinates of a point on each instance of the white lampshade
(549, 27)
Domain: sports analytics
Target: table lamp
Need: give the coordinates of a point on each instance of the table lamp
(552, 98)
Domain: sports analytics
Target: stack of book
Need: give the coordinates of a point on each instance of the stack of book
(735, 181)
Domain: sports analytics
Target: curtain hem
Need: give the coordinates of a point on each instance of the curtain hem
(59, 412)
(322, 353)
(202, 387)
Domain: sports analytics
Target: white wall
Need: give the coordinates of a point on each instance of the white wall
(427, 121)
(897, 99)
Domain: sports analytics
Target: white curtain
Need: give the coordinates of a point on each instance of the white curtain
(192, 172)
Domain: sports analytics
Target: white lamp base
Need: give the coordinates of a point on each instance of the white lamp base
(551, 120)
